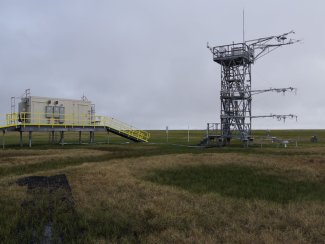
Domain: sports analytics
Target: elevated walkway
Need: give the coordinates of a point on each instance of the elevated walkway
(26, 122)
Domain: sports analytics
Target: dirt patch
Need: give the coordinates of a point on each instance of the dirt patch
(52, 183)
(47, 208)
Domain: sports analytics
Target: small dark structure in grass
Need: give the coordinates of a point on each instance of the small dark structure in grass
(48, 214)
(314, 139)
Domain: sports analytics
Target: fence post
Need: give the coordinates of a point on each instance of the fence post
(3, 139)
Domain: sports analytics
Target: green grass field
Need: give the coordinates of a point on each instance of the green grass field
(161, 192)
(181, 137)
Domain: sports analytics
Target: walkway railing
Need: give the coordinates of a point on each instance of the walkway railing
(71, 120)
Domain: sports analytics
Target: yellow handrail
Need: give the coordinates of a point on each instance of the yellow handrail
(67, 120)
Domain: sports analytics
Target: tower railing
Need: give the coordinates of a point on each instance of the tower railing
(233, 51)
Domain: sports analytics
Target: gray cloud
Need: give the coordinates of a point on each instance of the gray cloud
(145, 62)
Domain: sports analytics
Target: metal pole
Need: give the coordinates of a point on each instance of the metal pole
(90, 137)
(207, 130)
(30, 138)
(188, 133)
(80, 140)
(21, 139)
(167, 134)
(243, 25)
(52, 133)
(62, 138)
(3, 139)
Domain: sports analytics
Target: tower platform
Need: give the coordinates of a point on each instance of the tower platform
(234, 54)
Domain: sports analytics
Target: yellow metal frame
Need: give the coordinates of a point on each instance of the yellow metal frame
(84, 120)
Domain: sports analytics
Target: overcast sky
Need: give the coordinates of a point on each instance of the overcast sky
(145, 62)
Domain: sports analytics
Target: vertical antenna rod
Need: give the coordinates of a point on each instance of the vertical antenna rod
(243, 25)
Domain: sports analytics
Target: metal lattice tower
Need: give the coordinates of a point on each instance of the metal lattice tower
(236, 93)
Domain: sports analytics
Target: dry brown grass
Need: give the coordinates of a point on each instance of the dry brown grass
(114, 191)
(184, 217)
(19, 157)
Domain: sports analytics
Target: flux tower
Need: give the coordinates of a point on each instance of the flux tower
(236, 78)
